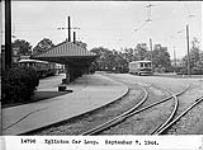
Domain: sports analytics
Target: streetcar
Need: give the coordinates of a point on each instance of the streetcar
(43, 68)
(143, 67)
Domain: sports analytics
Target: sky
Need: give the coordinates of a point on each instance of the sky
(110, 24)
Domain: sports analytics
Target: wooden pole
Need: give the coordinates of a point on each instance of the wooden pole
(150, 43)
(74, 37)
(188, 48)
(69, 29)
(8, 46)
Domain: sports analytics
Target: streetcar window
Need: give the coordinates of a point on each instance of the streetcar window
(141, 65)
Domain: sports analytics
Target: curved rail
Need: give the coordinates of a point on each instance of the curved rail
(130, 113)
(197, 101)
(159, 102)
(117, 119)
(172, 115)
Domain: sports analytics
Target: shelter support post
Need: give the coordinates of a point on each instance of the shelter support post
(67, 69)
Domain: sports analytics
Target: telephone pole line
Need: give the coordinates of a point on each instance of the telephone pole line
(150, 43)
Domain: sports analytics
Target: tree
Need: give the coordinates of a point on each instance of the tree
(138, 53)
(109, 60)
(81, 44)
(161, 58)
(196, 62)
(23, 46)
(42, 46)
(141, 51)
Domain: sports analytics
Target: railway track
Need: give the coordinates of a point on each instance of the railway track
(166, 126)
(75, 126)
(117, 119)
(144, 104)
(172, 115)
(134, 111)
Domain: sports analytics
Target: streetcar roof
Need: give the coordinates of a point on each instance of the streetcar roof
(31, 60)
(141, 61)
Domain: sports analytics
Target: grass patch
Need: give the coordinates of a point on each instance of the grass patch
(38, 96)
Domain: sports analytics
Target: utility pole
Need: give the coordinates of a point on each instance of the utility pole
(150, 43)
(68, 28)
(74, 37)
(8, 46)
(149, 19)
(188, 48)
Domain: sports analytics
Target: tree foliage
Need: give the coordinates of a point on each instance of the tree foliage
(161, 58)
(42, 46)
(23, 46)
(81, 44)
(109, 60)
(196, 58)
(112, 59)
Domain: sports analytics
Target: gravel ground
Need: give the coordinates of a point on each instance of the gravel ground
(144, 122)
(191, 123)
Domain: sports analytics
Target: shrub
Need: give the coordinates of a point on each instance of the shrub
(157, 69)
(197, 71)
(162, 69)
(18, 85)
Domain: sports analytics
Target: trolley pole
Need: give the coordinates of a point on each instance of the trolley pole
(188, 48)
(150, 43)
(8, 46)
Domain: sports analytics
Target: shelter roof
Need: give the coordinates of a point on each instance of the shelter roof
(66, 49)
(67, 52)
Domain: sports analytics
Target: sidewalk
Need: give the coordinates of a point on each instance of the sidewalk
(89, 93)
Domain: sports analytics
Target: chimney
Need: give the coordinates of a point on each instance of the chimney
(69, 29)
(74, 37)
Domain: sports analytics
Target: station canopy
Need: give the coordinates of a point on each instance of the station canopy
(67, 53)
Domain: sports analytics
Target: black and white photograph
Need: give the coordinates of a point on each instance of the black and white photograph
(101, 68)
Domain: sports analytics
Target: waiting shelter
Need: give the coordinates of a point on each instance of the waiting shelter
(76, 59)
